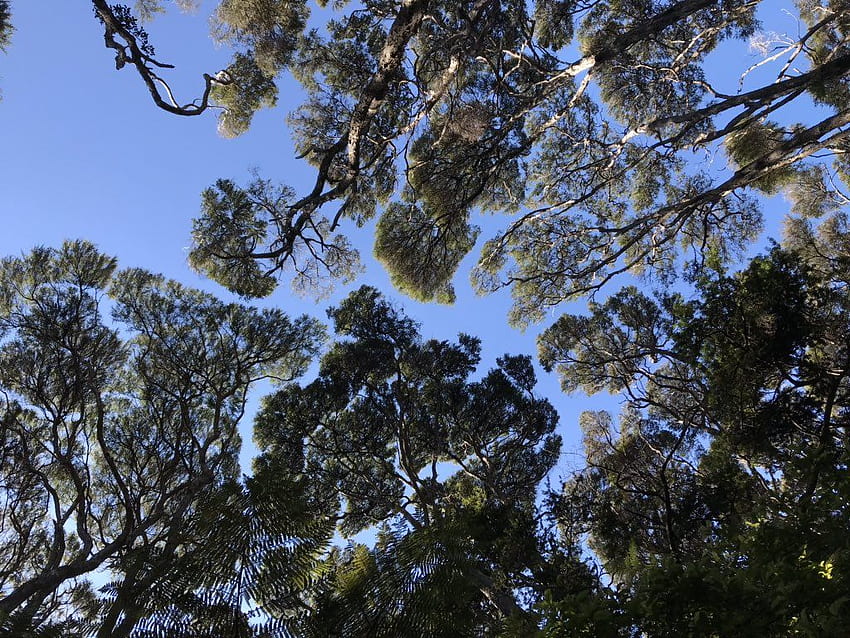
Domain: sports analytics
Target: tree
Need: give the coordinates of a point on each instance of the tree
(5, 24)
(393, 434)
(116, 437)
(582, 121)
(250, 556)
(727, 476)
(119, 447)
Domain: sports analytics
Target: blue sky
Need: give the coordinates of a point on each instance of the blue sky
(87, 155)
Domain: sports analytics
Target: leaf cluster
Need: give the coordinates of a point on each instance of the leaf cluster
(725, 471)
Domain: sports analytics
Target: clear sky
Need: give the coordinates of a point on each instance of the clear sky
(86, 154)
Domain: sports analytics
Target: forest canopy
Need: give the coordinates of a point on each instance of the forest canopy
(717, 504)
(591, 125)
(617, 152)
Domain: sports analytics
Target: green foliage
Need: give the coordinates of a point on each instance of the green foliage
(422, 253)
(232, 223)
(268, 28)
(411, 584)
(115, 435)
(590, 117)
(124, 15)
(235, 221)
(243, 90)
(727, 471)
(393, 433)
(813, 195)
(553, 22)
(148, 9)
(255, 553)
(265, 34)
(715, 505)
(6, 28)
(484, 141)
(750, 144)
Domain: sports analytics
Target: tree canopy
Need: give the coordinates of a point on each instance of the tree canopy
(120, 449)
(5, 24)
(117, 436)
(585, 122)
(723, 488)
(716, 505)
(392, 433)
(404, 489)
